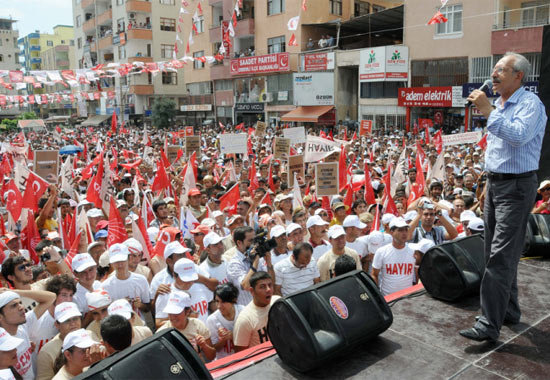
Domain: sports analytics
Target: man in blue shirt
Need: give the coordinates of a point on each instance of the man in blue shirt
(516, 129)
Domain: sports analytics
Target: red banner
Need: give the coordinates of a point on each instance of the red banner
(261, 64)
(366, 128)
(316, 62)
(425, 97)
(226, 39)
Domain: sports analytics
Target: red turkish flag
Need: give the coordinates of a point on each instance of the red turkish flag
(161, 180)
(348, 199)
(14, 200)
(369, 191)
(165, 236)
(35, 188)
(417, 189)
(30, 237)
(94, 188)
(483, 142)
(438, 18)
(253, 178)
(164, 159)
(342, 172)
(376, 224)
(132, 165)
(292, 41)
(230, 198)
(437, 141)
(114, 122)
(116, 232)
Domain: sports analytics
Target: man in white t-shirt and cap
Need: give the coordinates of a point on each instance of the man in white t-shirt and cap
(475, 226)
(353, 226)
(135, 255)
(337, 237)
(393, 264)
(214, 264)
(18, 323)
(317, 228)
(85, 271)
(126, 284)
(465, 218)
(280, 252)
(294, 234)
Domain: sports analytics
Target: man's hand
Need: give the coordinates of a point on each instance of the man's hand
(164, 289)
(479, 99)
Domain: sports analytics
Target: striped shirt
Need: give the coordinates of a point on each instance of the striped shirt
(292, 279)
(516, 129)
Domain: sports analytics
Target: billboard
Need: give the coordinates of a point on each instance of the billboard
(384, 63)
(313, 89)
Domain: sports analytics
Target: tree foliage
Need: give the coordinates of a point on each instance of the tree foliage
(163, 113)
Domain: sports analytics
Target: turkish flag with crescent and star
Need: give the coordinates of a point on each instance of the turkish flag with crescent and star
(35, 188)
(116, 232)
(14, 200)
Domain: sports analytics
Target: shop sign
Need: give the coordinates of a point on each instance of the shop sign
(430, 97)
(260, 64)
(384, 63)
(462, 138)
(249, 107)
(318, 62)
(313, 89)
(196, 107)
(122, 38)
(467, 88)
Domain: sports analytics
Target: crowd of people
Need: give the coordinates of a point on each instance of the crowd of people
(181, 257)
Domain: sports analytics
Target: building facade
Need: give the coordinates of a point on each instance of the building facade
(34, 44)
(9, 58)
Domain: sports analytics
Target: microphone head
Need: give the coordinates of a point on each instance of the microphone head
(487, 85)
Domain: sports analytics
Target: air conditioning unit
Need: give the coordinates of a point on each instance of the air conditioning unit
(132, 15)
(266, 97)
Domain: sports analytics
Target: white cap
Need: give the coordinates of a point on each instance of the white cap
(315, 220)
(80, 338)
(292, 227)
(177, 302)
(336, 231)
(423, 245)
(476, 224)
(353, 221)
(7, 296)
(82, 261)
(98, 298)
(174, 247)
(118, 252)
(319, 210)
(121, 307)
(277, 231)
(398, 222)
(387, 218)
(467, 215)
(376, 240)
(134, 246)
(410, 215)
(65, 311)
(94, 213)
(94, 244)
(7, 341)
(186, 270)
(120, 203)
(211, 238)
(153, 233)
(209, 222)
(216, 213)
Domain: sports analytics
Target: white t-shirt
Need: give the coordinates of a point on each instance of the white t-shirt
(24, 351)
(320, 249)
(80, 296)
(162, 277)
(215, 321)
(42, 331)
(218, 272)
(396, 268)
(292, 279)
(358, 246)
(278, 258)
(134, 286)
(251, 326)
(200, 297)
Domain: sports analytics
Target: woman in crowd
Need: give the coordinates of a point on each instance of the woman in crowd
(543, 206)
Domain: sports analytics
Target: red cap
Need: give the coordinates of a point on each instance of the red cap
(193, 191)
(201, 228)
(101, 225)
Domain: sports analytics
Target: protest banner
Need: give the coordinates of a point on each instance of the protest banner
(172, 153)
(260, 128)
(281, 147)
(366, 128)
(326, 179)
(295, 165)
(233, 143)
(46, 164)
(461, 138)
(193, 144)
(333, 157)
(318, 148)
(296, 135)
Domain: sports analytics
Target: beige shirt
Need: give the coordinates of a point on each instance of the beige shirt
(46, 358)
(62, 374)
(194, 327)
(140, 333)
(251, 325)
(327, 261)
(229, 254)
(95, 329)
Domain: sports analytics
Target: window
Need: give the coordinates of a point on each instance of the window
(121, 51)
(49, 43)
(170, 78)
(335, 7)
(168, 24)
(78, 20)
(439, 72)
(361, 8)
(200, 24)
(275, 6)
(166, 51)
(454, 14)
(481, 68)
(79, 43)
(167, 2)
(376, 90)
(377, 8)
(119, 2)
(1, 58)
(71, 43)
(276, 45)
(196, 63)
(120, 25)
(199, 88)
(535, 13)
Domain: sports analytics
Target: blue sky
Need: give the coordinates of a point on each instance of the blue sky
(40, 15)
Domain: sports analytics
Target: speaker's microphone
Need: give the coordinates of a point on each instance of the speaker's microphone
(487, 85)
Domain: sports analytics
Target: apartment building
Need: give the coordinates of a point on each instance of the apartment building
(34, 44)
(9, 57)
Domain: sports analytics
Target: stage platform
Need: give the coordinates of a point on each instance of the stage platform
(423, 343)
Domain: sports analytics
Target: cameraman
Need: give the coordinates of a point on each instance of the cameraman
(245, 263)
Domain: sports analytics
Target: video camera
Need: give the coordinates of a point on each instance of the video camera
(261, 244)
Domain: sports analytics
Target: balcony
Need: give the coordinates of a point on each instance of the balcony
(105, 42)
(141, 89)
(244, 27)
(34, 48)
(215, 33)
(105, 17)
(220, 71)
(36, 60)
(140, 59)
(86, 3)
(196, 99)
(138, 6)
(139, 34)
(89, 25)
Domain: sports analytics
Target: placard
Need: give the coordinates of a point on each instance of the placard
(233, 143)
(297, 135)
(318, 148)
(333, 157)
(281, 147)
(366, 128)
(46, 164)
(172, 153)
(260, 128)
(295, 165)
(192, 144)
(462, 138)
(326, 179)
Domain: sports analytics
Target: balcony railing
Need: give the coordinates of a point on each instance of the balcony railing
(139, 34)
(105, 17)
(89, 25)
(527, 17)
(141, 89)
(140, 59)
(105, 42)
(138, 6)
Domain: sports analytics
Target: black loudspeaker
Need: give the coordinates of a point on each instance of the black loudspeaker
(310, 327)
(544, 94)
(452, 270)
(165, 355)
(537, 241)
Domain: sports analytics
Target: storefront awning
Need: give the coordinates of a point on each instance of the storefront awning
(95, 120)
(307, 114)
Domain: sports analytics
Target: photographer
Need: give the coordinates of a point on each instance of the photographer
(427, 213)
(246, 262)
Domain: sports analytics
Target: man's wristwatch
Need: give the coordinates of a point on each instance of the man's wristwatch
(253, 269)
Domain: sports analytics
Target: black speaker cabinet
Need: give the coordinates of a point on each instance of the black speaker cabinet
(537, 239)
(165, 355)
(452, 270)
(310, 327)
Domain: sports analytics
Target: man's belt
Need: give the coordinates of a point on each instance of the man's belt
(506, 176)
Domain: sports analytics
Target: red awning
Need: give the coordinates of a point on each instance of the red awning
(307, 114)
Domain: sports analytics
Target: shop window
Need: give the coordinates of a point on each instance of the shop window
(276, 45)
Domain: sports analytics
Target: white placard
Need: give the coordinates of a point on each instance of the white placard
(461, 138)
(318, 148)
(296, 135)
(233, 143)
